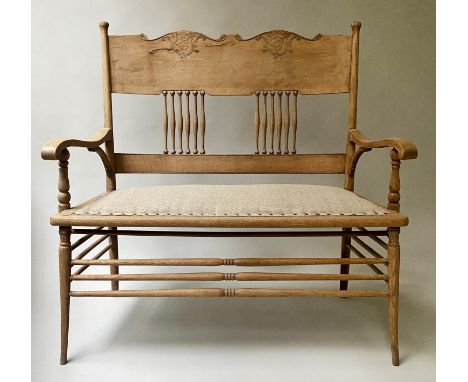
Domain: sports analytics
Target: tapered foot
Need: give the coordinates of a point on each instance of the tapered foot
(395, 356)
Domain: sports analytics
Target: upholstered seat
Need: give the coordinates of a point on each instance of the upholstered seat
(232, 200)
(235, 201)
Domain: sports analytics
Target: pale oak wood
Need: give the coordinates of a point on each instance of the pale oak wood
(257, 121)
(219, 276)
(294, 122)
(389, 220)
(107, 100)
(274, 62)
(180, 121)
(230, 164)
(239, 292)
(404, 148)
(95, 257)
(195, 123)
(89, 248)
(224, 233)
(362, 256)
(64, 273)
(376, 239)
(393, 290)
(63, 196)
(312, 66)
(53, 149)
(202, 121)
(272, 122)
(352, 103)
(187, 122)
(165, 124)
(279, 123)
(345, 253)
(264, 122)
(241, 262)
(286, 124)
(83, 239)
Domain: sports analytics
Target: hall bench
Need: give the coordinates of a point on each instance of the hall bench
(274, 68)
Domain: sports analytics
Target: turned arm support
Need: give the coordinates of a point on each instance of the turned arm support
(402, 149)
(57, 149)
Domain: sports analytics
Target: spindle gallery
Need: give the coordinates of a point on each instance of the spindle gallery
(182, 70)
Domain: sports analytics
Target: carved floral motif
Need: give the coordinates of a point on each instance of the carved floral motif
(278, 42)
(183, 43)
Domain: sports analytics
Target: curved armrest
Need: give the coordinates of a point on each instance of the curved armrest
(53, 149)
(404, 148)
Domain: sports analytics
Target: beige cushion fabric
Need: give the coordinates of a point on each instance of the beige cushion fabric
(232, 200)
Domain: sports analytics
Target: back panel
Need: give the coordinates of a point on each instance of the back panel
(230, 65)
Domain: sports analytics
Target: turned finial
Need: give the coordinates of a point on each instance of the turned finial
(356, 25)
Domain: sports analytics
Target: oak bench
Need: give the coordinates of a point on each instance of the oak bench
(274, 68)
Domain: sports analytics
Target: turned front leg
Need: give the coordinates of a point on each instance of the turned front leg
(393, 290)
(64, 273)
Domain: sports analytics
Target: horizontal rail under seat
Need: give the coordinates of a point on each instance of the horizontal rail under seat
(375, 259)
(238, 292)
(135, 232)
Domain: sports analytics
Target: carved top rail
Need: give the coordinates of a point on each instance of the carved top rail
(230, 64)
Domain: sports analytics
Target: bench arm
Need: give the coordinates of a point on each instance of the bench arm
(53, 149)
(404, 148)
(401, 149)
(57, 149)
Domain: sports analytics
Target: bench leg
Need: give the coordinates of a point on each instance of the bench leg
(393, 289)
(345, 252)
(64, 271)
(114, 254)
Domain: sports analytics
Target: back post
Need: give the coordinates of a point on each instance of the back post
(352, 105)
(350, 146)
(109, 145)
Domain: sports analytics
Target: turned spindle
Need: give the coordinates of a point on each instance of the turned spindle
(187, 122)
(272, 122)
(286, 124)
(172, 123)
(256, 120)
(165, 121)
(202, 122)
(264, 122)
(63, 196)
(195, 123)
(294, 122)
(394, 185)
(180, 121)
(279, 123)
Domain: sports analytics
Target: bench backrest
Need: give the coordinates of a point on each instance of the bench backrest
(273, 67)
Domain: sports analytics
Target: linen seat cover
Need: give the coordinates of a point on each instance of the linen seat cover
(231, 200)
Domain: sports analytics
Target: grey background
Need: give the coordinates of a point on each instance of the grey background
(229, 339)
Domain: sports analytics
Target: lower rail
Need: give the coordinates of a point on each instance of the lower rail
(218, 276)
(239, 292)
(246, 261)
